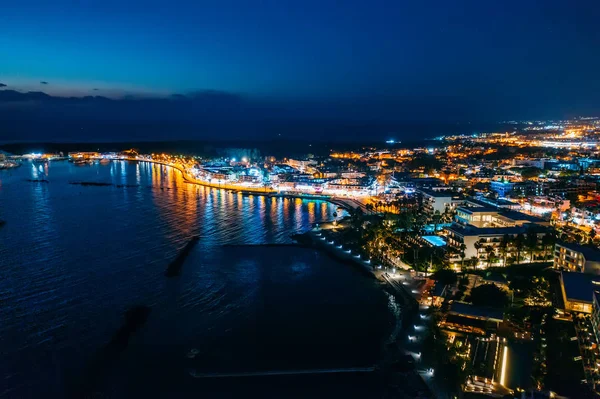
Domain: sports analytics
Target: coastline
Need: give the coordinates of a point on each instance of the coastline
(400, 361)
(267, 192)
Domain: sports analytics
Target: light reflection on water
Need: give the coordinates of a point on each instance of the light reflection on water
(73, 258)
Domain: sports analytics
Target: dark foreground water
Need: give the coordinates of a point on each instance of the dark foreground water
(73, 259)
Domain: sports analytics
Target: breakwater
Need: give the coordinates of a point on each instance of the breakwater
(104, 361)
(175, 266)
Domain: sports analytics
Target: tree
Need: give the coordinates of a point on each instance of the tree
(548, 240)
(420, 220)
(531, 241)
(519, 245)
(478, 246)
(436, 218)
(490, 254)
(489, 295)
(530, 172)
(503, 247)
(592, 235)
(356, 218)
(445, 277)
(462, 254)
(472, 262)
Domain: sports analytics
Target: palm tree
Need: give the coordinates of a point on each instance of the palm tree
(473, 261)
(504, 244)
(420, 222)
(478, 246)
(591, 235)
(531, 241)
(519, 244)
(490, 254)
(548, 240)
(462, 254)
(437, 217)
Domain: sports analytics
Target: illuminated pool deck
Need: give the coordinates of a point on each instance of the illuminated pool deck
(435, 241)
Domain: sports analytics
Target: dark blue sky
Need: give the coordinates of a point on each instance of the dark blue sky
(373, 60)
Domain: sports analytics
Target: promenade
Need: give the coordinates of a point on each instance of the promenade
(347, 203)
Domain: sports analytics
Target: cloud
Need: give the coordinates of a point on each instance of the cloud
(2, 85)
(43, 82)
(199, 105)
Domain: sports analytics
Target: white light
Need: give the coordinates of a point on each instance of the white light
(504, 359)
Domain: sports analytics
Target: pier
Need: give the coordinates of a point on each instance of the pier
(175, 266)
(285, 372)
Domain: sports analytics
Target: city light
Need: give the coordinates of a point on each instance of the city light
(504, 362)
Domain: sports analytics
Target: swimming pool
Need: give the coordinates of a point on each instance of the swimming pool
(435, 241)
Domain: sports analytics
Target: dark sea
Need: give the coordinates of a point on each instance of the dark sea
(74, 259)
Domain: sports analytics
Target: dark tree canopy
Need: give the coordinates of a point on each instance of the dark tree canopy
(529, 172)
(445, 276)
(489, 295)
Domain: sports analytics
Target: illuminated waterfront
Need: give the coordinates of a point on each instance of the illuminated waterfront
(73, 258)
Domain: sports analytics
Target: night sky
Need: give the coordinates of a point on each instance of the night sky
(355, 61)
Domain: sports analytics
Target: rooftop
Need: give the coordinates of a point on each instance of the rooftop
(516, 215)
(469, 310)
(580, 286)
(493, 231)
(590, 254)
(437, 193)
(475, 209)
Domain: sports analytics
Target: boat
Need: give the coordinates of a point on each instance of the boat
(82, 162)
(104, 161)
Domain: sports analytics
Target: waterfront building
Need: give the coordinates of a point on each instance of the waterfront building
(478, 214)
(576, 258)
(306, 165)
(473, 237)
(350, 187)
(83, 154)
